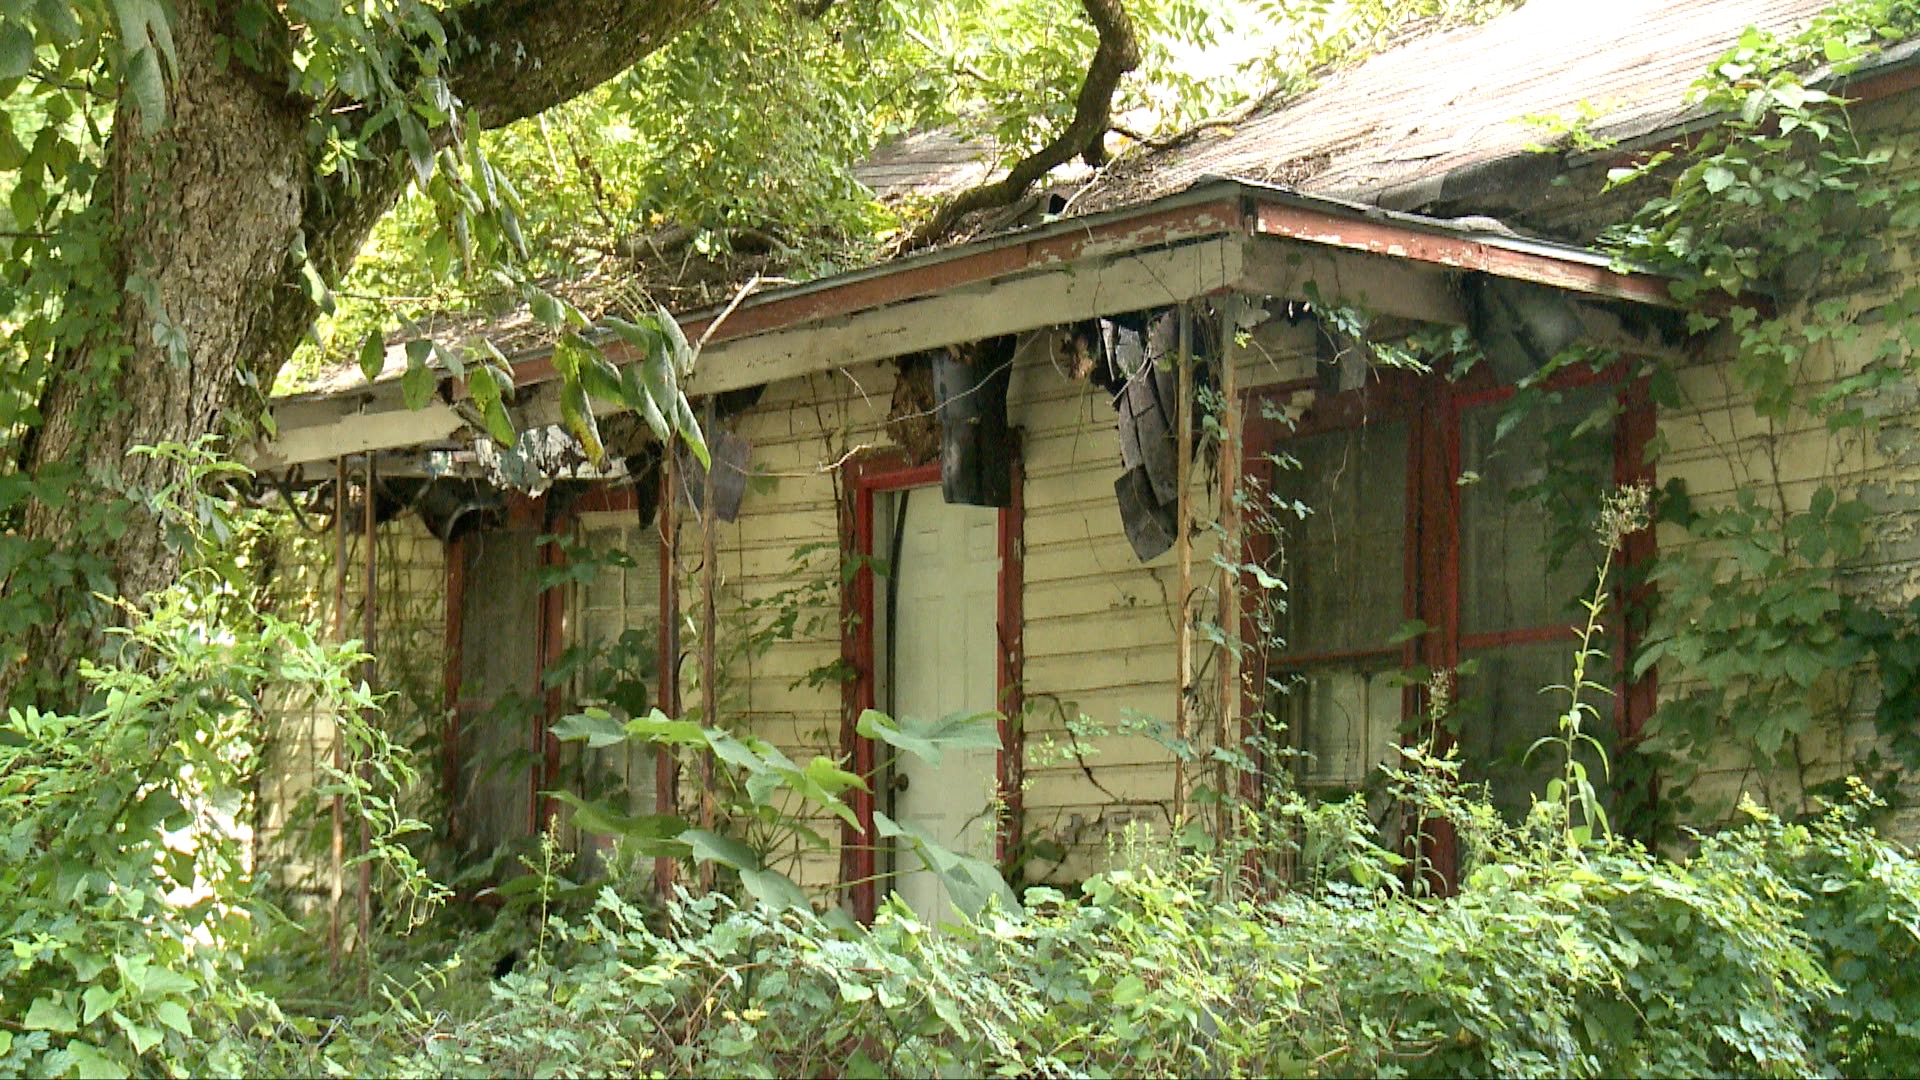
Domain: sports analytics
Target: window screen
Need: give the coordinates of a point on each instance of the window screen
(615, 625)
(1345, 565)
(1528, 555)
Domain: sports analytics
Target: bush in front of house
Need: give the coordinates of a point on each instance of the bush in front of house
(1779, 948)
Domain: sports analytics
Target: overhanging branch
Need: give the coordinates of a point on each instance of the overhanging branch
(1117, 54)
(520, 57)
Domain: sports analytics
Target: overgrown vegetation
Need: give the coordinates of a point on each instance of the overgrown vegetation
(1772, 629)
(1780, 949)
(142, 941)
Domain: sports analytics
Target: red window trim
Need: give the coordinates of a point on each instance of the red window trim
(1434, 407)
(865, 476)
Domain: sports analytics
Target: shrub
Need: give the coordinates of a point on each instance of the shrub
(1778, 949)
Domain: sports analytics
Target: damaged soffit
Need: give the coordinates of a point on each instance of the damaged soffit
(1215, 236)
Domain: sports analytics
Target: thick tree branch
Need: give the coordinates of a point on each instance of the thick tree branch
(514, 58)
(1117, 54)
(520, 57)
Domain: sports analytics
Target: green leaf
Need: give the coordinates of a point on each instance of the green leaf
(647, 340)
(416, 386)
(59, 20)
(831, 777)
(46, 1014)
(174, 1015)
(576, 413)
(452, 360)
(597, 816)
(689, 430)
(16, 51)
(140, 68)
(92, 1063)
(144, 1038)
(373, 355)
(928, 740)
(488, 385)
(95, 1001)
(145, 40)
(712, 847)
(419, 144)
(545, 309)
(735, 753)
(596, 726)
(679, 353)
(774, 889)
(165, 982)
(658, 727)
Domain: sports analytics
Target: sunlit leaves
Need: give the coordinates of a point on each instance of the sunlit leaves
(145, 43)
(488, 384)
(16, 50)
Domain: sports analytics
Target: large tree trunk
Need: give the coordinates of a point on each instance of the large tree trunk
(200, 217)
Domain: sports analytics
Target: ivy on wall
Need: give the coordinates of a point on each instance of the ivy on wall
(1778, 615)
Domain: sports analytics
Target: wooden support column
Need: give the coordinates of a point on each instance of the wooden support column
(1183, 557)
(1232, 426)
(709, 653)
(368, 620)
(337, 893)
(666, 798)
(456, 584)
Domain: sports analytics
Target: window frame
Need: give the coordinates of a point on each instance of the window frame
(1435, 409)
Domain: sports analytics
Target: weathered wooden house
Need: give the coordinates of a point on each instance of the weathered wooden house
(1008, 427)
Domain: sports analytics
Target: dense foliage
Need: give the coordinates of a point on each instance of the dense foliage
(1779, 949)
(141, 942)
(1769, 631)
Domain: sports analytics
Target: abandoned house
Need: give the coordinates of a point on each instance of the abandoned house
(1044, 439)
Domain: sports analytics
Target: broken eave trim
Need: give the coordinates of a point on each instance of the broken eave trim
(1441, 247)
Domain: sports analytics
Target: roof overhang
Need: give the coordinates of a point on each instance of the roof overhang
(1218, 236)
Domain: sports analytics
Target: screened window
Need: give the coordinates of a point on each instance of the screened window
(1528, 554)
(1345, 565)
(1466, 522)
(614, 626)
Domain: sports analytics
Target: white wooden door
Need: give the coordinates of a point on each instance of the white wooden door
(944, 662)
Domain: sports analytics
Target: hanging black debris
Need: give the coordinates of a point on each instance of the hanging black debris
(1149, 523)
(976, 443)
(1520, 326)
(731, 455)
(1138, 363)
(451, 507)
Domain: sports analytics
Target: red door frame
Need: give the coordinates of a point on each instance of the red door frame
(864, 477)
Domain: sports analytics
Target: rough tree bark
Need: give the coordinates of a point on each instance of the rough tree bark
(206, 210)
